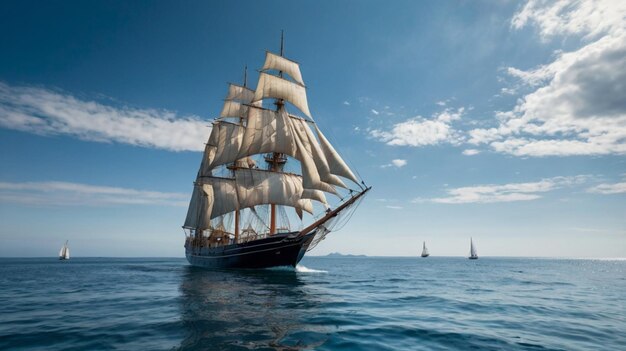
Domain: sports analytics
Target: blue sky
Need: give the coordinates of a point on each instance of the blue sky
(504, 121)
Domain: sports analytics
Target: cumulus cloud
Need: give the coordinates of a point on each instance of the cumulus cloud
(346, 103)
(492, 193)
(576, 105)
(53, 193)
(418, 131)
(47, 112)
(395, 163)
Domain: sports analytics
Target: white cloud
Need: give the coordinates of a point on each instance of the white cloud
(53, 193)
(394, 207)
(375, 112)
(346, 103)
(589, 18)
(441, 103)
(395, 163)
(492, 193)
(577, 104)
(47, 112)
(399, 163)
(470, 152)
(421, 132)
(607, 189)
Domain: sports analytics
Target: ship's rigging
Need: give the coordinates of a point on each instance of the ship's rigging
(260, 160)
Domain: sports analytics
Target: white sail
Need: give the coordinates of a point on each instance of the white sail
(257, 187)
(473, 252)
(224, 199)
(267, 131)
(200, 207)
(337, 165)
(275, 87)
(239, 93)
(312, 148)
(234, 109)
(64, 253)
(279, 63)
(227, 142)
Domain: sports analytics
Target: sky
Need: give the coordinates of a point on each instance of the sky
(504, 121)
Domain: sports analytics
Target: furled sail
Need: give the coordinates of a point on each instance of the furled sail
(279, 63)
(275, 87)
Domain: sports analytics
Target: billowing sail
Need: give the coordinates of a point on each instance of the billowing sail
(239, 93)
(64, 253)
(279, 63)
(200, 207)
(234, 109)
(337, 165)
(275, 87)
(227, 142)
(267, 131)
(257, 187)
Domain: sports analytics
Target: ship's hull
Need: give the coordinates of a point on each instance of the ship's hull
(278, 250)
(473, 257)
(425, 255)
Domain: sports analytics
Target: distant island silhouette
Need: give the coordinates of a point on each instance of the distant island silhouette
(337, 254)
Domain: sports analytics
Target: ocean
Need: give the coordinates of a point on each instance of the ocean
(369, 303)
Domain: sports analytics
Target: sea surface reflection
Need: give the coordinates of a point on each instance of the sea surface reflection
(248, 309)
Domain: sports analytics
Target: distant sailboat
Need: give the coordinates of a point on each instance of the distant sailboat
(425, 251)
(64, 254)
(473, 254)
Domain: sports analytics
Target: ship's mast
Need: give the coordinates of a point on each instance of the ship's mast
(276, 158)
(234, 165)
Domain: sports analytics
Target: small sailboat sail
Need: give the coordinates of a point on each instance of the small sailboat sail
(425, 252)
(64, 254)
(473, 254)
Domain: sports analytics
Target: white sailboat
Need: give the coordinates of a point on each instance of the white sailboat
(425, 252)
(64, 254)
(473, 254)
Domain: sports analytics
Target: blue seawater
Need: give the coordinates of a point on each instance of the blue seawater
(371, 303)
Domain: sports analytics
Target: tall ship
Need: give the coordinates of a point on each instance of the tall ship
(473, 253)
(270, 185)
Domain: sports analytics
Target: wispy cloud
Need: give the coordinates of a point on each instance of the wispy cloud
(346, 103)
(394, 207)
(396, 163)
(608, 188)
(492, 193)
(375, 112)
(576, 105)
(54, 193)
(49, 112)
(471, 152)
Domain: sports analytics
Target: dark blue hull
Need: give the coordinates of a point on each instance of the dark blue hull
(278, 250)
